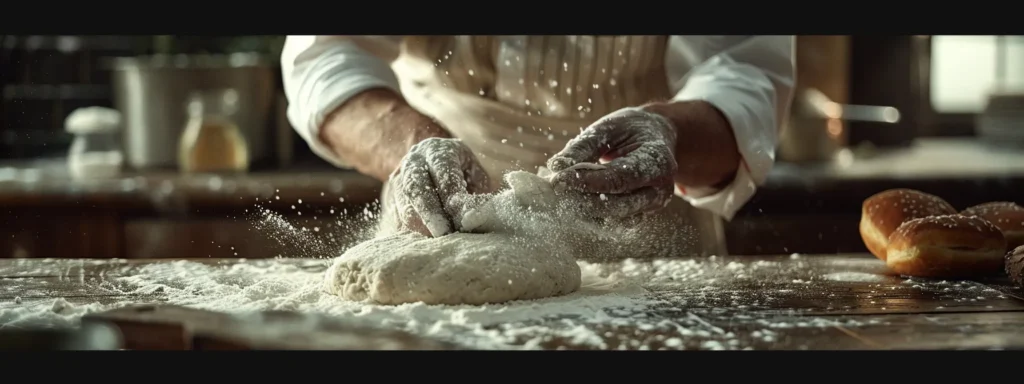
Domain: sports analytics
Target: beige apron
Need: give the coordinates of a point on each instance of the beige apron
(517, 100)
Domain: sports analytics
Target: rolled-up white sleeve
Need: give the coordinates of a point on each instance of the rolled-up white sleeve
(322, 72)
(750, 80)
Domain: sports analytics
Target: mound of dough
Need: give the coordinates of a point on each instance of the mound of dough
(524, 252)
(461, 268)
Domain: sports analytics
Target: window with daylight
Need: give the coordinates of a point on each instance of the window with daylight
(964, 69)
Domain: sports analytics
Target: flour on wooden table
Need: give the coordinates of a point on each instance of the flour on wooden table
(260, 286)
(688, 304)
(857, 277)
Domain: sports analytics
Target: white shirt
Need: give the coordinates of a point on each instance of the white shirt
(749, 78)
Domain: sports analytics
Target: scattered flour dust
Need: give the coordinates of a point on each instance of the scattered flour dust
(857, 277)
(683, 303)
(263, 285)
(298, 240)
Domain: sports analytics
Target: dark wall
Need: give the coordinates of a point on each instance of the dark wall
(882, 72)
(894, 71)
(44, 78)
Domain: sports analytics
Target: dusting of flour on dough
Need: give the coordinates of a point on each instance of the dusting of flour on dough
(515, 245)
(460, 268)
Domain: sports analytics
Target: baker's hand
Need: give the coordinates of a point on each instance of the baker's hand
(638, 176)
(429, 187)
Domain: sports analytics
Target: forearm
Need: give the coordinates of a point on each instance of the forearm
(338, 87)
(705, 148)
(749, 79)
(373, 131)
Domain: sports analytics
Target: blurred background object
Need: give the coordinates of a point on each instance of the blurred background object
(957, 74)
(156, 96)
(97, 149)
(212, 141)
(87, 337)
(1001, 120)
(147, 78)
(816, 130)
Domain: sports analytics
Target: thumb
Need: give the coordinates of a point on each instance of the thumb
(588, 147)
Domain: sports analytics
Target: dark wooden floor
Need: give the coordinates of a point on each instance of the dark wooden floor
(786, 302)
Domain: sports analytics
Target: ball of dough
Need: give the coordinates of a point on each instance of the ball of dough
(461, 268)
(1015, 265)
(521, 247)
(1007, 216)
(950, 246)
(885, 211)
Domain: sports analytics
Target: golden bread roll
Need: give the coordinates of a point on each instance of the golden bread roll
(950, 246)
(1007, 216)
(1015, 265)
(885, 211)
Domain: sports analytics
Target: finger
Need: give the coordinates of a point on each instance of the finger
(619, 152)
(588, 147)
(407, 216)
(418, 188)
(622, 205)
(401, 208)
(478, 180)
(647, 165)
(446, 164)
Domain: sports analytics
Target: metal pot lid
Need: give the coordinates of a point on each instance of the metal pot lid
(182, 61)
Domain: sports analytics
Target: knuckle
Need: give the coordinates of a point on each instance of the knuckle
(418, 147)
(615, 183)
(411, 162)
(605, 128)
(431, 141)
(665, 159)
(559, 163)
(432, 144)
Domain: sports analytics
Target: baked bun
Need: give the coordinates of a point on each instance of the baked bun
(951, 246)
(1007, 216)
(1015, 265)
(885, 211)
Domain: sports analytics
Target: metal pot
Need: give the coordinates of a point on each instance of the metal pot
(816, 129)
(151, 92)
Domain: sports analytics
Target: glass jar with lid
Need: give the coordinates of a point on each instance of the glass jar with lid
(212, 142)
(96, 150)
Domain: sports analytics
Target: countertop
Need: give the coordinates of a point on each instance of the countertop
(964, 172)
(814, 302)
(47, 183)
(926, 159)
(965, 165)
(801, 208)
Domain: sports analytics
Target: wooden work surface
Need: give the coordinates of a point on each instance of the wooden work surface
(785, 302)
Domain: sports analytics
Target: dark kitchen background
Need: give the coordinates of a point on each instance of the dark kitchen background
(937, 113)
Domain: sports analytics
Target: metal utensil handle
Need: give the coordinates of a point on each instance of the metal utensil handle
(870, 113)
